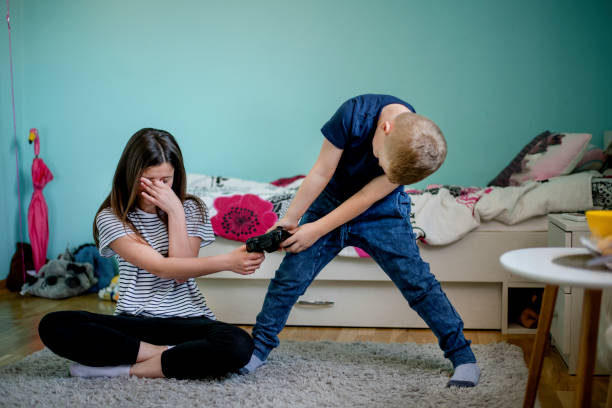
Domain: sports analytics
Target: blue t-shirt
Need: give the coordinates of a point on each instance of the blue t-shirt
(352, 129)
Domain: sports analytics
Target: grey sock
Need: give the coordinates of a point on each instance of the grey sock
(465, 375)
(252, 365)
(79, 370)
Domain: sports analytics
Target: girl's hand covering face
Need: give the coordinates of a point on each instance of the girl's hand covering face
(160, 194)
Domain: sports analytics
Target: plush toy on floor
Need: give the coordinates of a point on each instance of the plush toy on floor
(104, 268)
(61, 278)
(111, 292)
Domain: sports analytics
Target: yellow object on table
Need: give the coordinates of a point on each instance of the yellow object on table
(600, 224)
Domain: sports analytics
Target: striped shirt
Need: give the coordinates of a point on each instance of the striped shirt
(141, 292)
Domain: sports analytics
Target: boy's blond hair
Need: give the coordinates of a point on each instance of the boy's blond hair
(415, 148)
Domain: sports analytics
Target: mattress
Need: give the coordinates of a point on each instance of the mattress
(539, 223)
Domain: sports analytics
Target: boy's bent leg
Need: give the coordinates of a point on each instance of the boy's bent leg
(294, 275)
(425, 296)
(385, 233)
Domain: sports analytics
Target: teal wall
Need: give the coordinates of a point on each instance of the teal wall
(245, 86)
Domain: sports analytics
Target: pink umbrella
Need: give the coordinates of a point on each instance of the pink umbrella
(38, 224)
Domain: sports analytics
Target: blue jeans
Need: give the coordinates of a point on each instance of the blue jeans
(385, 233)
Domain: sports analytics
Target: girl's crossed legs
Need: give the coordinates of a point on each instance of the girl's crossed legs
(203, 347)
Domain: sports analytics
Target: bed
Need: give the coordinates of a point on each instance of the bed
(461, 233)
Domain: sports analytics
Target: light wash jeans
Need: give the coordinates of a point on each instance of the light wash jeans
(385, 233)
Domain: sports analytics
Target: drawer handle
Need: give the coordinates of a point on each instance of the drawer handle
(316, 302)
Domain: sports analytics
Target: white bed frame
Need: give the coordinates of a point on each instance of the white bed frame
(356, 292)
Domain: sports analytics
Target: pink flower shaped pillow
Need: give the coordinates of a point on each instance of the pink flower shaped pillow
(240, 217)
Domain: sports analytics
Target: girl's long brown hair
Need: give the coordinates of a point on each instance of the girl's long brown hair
(147, 147)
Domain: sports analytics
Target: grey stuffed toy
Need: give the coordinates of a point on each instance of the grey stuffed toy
(61, 278)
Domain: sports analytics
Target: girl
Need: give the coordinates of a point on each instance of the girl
(162, 326)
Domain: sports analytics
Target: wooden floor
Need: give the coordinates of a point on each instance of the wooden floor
(19, 317)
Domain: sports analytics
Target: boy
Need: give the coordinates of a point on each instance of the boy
(353, 195)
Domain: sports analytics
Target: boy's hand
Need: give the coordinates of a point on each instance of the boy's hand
(243, 262)
(161, 195)
(286, 223)
(303, 237)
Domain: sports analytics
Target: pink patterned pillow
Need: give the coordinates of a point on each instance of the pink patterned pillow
(557, 155)
(240, 217)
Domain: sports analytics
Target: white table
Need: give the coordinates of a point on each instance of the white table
(562, 266)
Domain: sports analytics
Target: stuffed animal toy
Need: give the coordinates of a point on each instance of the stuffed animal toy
(104, 268)
(61, 278)
(111, 292)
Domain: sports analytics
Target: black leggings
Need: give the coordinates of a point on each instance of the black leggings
(203, 347)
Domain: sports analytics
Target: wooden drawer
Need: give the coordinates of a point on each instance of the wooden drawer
(351, 303)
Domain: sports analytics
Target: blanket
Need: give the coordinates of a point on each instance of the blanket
(440, 215)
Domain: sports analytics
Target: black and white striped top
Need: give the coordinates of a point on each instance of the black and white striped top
(140, 292)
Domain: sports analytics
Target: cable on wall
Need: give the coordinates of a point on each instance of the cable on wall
(8, 23)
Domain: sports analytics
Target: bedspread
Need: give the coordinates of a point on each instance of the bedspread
(440, 215)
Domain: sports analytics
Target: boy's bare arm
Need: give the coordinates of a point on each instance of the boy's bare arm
(357, 204)
(307, 234)
(315, 181)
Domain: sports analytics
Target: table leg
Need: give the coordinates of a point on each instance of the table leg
(588, 346)
(537, 355)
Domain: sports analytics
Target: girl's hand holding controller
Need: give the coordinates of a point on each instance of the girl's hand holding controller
(243, 262)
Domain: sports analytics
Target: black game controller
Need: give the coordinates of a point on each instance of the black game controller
(268, 242)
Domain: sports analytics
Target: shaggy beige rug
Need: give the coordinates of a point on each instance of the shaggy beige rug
(298, 374)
